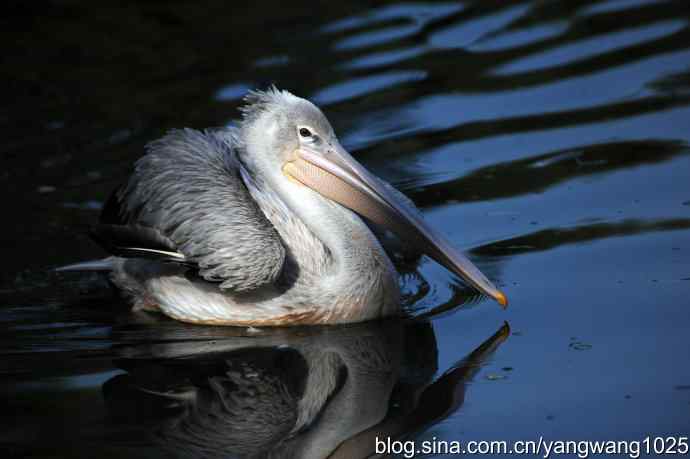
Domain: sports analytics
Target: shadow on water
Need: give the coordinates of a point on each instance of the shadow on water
(548, 139)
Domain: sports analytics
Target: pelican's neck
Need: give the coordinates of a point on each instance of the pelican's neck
(338, 258)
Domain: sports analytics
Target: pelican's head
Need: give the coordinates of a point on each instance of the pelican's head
(289, 138)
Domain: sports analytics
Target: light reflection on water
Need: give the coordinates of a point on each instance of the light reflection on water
(548, 139)
(594, 46)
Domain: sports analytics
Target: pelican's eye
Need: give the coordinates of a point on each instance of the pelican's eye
(304, 132)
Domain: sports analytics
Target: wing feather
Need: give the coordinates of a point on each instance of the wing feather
(186, 198)
(136, 241)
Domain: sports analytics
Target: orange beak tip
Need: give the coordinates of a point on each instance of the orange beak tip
(502, 300)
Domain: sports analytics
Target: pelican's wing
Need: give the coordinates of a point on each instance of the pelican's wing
(185, 202)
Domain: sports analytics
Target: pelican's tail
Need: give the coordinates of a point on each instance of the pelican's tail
(105, 264)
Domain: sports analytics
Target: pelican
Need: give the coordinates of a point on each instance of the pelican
(268, 223)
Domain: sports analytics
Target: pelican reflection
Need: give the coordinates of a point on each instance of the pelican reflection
(308, 392)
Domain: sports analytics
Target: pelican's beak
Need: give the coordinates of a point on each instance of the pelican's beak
(336, 175)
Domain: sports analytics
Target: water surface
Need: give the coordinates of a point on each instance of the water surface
(548, 139)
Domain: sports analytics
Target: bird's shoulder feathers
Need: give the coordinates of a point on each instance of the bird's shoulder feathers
(186, 202)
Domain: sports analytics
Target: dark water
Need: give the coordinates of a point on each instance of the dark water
(547, 138)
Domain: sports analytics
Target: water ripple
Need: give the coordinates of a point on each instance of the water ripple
(595, 46)
(613, 6)
(379, 59)
(508, 39)
(420, 13)
(357, 87)
(465, 33)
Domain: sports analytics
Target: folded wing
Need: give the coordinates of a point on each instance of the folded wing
(186, 203)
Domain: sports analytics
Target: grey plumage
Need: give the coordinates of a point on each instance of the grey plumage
(188, 188)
